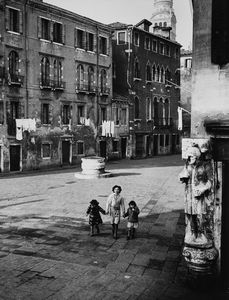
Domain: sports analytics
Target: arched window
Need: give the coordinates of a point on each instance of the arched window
(154, 73)
(162, 79)
(90, 79)
(167, 76)
(165, 24)
(177, 77)
(80, 77)
(160, 24)
(148, 109)
(161, 111)
(155, 111)
(155, 24)
(158, 74)
(103, 82)
(45, 72)
(136, 69)
(13, 63)
(148, 73)
(57, 73)
(167, 121)
(136, 108)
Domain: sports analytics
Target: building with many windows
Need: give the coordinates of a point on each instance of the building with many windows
(146, 85)
(55, 85)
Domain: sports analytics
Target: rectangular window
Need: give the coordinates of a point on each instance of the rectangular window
(45, 29)
(188, 63)
(46, 150)
(57, 32)
(66, 114)
(115, 146)
(103, 114)
(177, 53)
(167, 50)
(1, 112)
(161, 140)
(121, 39)
(80, 148)
(14, 20)
(80, 37)
(154, 46)
(136, 39)
(167, 140)
(103, 45)
(80, 114)
(147, 43)
(45, 113)
(123, 116)
(162, 48)
(90, 41)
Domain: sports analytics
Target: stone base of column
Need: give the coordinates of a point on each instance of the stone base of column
(201, 263)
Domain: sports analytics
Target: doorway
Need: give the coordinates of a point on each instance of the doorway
(15, 155)
(123, 147)
(155, 144)
(174, 138)
(139, 145)
(148, 145)
(103, 148)
(65, 152)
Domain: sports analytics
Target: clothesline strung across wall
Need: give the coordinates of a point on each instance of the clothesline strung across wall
(24, 125)
(108, 128)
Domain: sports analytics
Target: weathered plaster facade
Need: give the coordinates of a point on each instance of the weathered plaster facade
(56, 68)
(146, 74)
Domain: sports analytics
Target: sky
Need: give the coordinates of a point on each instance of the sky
(130, 12)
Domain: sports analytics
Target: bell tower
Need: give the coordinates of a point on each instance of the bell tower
(163, 19)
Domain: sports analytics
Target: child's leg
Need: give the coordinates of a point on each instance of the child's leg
(133, 233)
(97, 228)
(116, 231)
(92, 230)
(113, 229)
(128, 234)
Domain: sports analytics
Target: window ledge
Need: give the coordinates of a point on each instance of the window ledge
(44, 40)
(92, 52)
(59, 44)
(80, 49)
(137, 79)
(14, 32)
(137, 120)
(105, 55)
(148, 81)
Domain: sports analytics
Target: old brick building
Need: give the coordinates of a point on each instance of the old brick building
(56, 81)
(146, 79)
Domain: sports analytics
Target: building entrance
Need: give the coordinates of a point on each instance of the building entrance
(15, 158)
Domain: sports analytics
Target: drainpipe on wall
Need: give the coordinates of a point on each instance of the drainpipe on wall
(26, 60)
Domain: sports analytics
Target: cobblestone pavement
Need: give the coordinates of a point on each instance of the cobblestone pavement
(46, 251)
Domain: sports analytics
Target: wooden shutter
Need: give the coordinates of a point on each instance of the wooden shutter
(63, 33)
(7, 18)
(20, 22)
(50, 114)
(39, 27)
(21, 111)
(51, 30)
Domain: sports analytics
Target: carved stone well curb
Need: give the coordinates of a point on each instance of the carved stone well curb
(92, 167)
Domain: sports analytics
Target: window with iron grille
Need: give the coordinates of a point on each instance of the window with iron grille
(46, 150)
(45, 29)
(80, 148)
(45, 113)
(103, 45)
(57, 32)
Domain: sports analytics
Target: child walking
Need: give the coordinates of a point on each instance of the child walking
(94, 216)
(132, 224)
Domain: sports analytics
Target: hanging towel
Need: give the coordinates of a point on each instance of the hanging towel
(180, 124)
(19, 136)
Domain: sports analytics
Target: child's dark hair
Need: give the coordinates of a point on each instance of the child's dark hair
(117, 186)
(132, 203)
(94, 202)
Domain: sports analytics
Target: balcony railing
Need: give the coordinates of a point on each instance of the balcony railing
(163, 122)
(86, 88)
(149, 125)
(15, 79)
(104, 90)
(58, 84)
(45, 83)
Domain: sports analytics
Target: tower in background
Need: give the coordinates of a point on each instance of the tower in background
(164, 19)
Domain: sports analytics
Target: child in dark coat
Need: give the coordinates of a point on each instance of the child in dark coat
(132, 214)
(94, 215)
